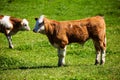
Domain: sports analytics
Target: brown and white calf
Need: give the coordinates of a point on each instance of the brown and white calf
(62, 33)
(10, 26)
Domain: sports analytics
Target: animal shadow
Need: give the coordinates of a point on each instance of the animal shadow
(31, 67)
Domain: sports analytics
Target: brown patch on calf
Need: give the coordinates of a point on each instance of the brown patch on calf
(66, 32)
(1, 16)
(16, 24)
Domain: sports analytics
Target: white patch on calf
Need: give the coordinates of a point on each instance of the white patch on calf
(41, 19)
(61, 55)
(25, 21)
(5, 21)
(8, 31)
(103, 56)
(98, 56)
(39, 27)
(25, 24)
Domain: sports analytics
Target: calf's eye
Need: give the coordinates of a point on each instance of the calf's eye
(25, 24)
(40, 24)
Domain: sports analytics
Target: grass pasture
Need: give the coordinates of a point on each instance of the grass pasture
(33, 58)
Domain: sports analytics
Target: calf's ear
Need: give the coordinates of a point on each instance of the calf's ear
(36, 19)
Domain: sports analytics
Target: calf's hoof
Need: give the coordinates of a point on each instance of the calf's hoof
(60, 65)
(96, 62)
(102, 62)
(11, 47)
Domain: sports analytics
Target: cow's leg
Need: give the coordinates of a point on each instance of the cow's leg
(10, 41)
(61, 56)
(98, 52)
(97, 60)
(103, 51)
(100, 46)
(103, 54)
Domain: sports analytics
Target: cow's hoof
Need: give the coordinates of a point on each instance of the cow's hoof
(102, 62)
(11, 47)
(96, 62)
(60, 65)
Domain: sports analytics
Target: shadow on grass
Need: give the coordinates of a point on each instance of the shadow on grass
(33, 67)
(37, 67)
(48, 67)
(26, 67)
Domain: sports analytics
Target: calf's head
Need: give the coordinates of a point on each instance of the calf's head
(39, 26)
(25, 25)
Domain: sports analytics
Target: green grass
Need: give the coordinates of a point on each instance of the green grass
(33, 58)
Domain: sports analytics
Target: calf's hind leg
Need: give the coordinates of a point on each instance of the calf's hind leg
(98, 54)
(103, 54)
(100, 47)
(103, 51)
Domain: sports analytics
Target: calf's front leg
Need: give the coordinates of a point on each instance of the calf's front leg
(10, 41)
(61, 56)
